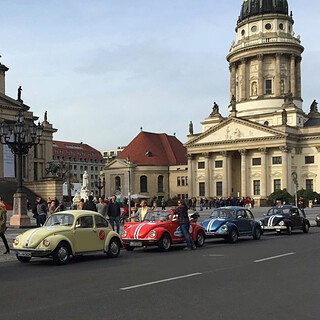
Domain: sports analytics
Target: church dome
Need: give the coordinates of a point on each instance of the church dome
(256, 7)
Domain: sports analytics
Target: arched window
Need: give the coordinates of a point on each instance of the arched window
(160, 183)
(143, 184)
(117, 183)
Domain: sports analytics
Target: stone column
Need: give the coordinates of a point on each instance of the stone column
(285, 151)
(233, 80)
(225, 173)
(293, 75)
(244, 172)
(260, 75)
(207, 177)
(243, 92)
(191, 177)
(298, 80)
(277, 79)
(264, 173)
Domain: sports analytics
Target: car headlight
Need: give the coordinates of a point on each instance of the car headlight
(46, 242)
(318, 218)
(224, 227)
(152, 234)
(281, 223)
(261, 223)
(16, 241)
(124, 233)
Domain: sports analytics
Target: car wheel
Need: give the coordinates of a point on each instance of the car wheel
(114, 248)
(164, 242)
(289, 230)
(233, 236)
(23, 259)
(200, 239)
(305, 227)
(257, 233)
(128, 248)
(61, 255)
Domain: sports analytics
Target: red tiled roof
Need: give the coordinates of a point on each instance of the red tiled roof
(77, 151)
(149, 148)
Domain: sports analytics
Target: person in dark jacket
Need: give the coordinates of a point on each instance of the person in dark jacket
(89, 205)
(184, 222)
(114, 213)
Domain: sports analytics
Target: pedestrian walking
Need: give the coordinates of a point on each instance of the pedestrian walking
(101, 207)
(184, 221)
(163, 204)
(90, 205)
(42, 210)
(114, 213)
(3, 225)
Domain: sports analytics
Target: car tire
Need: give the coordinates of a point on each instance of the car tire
(233, 236)
(23, 259)
(257, 233)
(61, 255)
(305, 227)
(164, 243)
(128, 248)
(114, 248)
(289, 230)
(200, 239)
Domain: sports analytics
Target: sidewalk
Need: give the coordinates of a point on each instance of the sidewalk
(11, 232)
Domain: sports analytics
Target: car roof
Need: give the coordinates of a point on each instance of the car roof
(78, 213)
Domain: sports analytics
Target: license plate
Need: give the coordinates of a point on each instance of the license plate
(24, 254)
(136, 244)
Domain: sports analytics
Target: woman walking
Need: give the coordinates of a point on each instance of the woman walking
(3, 225)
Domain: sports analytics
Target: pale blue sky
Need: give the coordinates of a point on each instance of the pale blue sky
(104, 68)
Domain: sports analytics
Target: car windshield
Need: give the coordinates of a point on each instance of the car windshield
(158, 216)
(223, 213)
(60, 220)
(279, 211)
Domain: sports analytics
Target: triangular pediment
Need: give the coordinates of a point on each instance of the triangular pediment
(235, 129)
(117, 164)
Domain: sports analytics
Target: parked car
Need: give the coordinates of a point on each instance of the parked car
(66, 234)
(285, 218)
(231, 223)
(160, 228)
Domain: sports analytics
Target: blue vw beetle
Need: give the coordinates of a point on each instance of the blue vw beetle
(231, 223)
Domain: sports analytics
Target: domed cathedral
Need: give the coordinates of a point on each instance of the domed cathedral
(267, 142)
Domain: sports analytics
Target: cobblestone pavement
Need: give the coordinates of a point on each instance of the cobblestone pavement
(11, 233)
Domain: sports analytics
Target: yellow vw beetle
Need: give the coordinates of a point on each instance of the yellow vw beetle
(66, 234)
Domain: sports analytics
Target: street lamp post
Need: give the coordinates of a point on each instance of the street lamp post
(20, 137)
(100, 185)
(295, 181)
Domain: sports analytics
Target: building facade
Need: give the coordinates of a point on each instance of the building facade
(35, 162)
(78, 158)
(153, 165)
(267, 139)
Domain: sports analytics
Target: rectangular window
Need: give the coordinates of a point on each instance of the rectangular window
(218, 164)
(186, 182)
(219, 188)
(309, 184)
(201, 165)
(201, 189)
(256, 161)
(178, 181)
(309, 159)
(268, 86)
(276, 160)
(256, 187)
(276, 184)
(183, 181)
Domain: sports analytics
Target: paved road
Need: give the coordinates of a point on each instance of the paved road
(273, 278)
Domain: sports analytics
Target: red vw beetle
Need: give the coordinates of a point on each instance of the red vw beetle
(160, 228)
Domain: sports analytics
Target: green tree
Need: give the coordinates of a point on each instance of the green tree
(282, 195)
